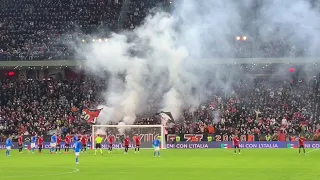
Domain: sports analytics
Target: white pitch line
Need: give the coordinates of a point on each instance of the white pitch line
(312, 150)
(75, 170)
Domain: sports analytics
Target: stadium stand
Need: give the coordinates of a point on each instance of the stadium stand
(289, 107)
(33, 30)
(41, 106)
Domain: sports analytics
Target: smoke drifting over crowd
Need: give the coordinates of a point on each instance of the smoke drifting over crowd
(169, 59)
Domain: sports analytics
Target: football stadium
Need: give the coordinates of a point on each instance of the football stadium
(159, 89)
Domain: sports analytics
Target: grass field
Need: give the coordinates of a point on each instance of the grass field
(174, 164)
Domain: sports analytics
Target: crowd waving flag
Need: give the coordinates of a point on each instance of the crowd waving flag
(90, 115)
(166, 117)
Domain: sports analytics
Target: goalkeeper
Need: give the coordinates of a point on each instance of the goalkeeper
(156, 146)
(98, 141)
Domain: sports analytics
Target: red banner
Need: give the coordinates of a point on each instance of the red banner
(90, 115)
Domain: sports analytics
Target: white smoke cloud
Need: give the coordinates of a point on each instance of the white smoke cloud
(172, 101)
(171, 57)
(127, 120)
(100, 131)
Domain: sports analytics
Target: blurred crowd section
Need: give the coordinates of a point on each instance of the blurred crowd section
(290, 108)
(41, 29)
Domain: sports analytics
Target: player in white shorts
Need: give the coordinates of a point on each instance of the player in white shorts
(33, 143)
(53, 143)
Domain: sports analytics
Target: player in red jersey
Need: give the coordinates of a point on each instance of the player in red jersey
(58, 145)
(40, 143)
(20, 143)
(67, 141)
(126, 144)
(84, 143)
(110, 141)
(137, 142)
(236, 144)
(301, 144)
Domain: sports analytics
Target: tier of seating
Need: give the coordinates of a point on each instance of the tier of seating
(264, 108)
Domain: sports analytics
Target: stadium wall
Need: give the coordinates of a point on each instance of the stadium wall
(200, 145)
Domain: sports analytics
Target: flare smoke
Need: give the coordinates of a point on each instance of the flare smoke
(168, 63)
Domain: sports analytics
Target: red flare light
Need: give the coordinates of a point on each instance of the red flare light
(292, 69)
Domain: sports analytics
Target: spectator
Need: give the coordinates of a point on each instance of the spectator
(41, 29)
(34, 30)
(48, 106)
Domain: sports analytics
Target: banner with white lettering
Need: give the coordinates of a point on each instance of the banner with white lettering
(201, 145)
(222, 137)
(228, 144)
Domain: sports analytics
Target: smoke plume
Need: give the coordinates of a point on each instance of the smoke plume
(173, 60)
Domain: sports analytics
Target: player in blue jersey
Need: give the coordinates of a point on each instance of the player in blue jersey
(8, 146)
(75, 140)
(156, 147)
(33, 143)
(53, 143)
(77, 149)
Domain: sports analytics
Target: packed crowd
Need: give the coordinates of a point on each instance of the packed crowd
(42, 29)
(259, 108)
(39, 30)
(46, 105)
(36, 29)
(290, 108)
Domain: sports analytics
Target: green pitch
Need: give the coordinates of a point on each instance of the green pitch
(174, 164)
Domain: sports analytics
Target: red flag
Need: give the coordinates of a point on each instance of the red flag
(90, 115)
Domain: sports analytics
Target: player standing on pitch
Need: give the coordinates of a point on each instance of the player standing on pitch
(301, 145)
(110, 141)
(84, 143)
(8, 146)
(156, 146)
(126, 144)
(20, 143)
(98, 141)
(33, 142)
(77, 149)
(40, 143)
(236, 144)
(74, 140)
(58, 146)
(67, 141)
(137, 141)
(53, 143)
